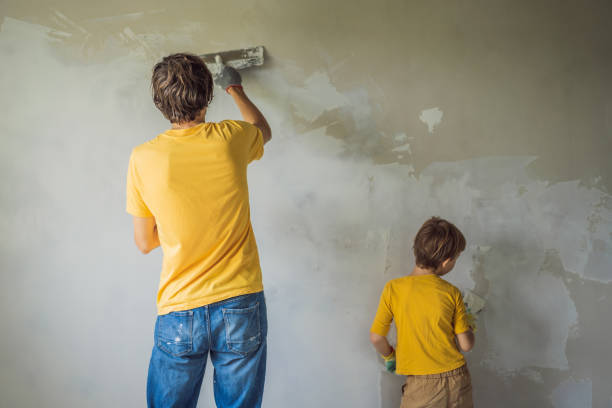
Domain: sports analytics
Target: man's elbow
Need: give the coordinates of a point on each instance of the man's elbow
(267, 134)
(143, 246)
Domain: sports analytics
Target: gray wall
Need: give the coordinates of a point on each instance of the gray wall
(494, 114)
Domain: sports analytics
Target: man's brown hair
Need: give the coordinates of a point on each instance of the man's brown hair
(437, 241)
(182, 86)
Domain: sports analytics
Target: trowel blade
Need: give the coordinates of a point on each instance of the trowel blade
(239, 59)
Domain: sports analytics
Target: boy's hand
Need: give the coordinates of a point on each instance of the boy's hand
(228, 77)
(390, 361)
(471, 318)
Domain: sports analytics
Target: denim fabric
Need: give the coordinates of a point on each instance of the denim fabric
(233, 331)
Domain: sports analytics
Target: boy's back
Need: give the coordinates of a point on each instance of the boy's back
(428, 312)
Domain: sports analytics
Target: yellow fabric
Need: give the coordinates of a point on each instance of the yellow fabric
(194, 182)
(428, 312)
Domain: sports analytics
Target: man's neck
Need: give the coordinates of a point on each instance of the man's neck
(187, 125)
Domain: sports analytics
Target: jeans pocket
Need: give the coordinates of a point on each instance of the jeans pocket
(242, 329)
(174, 332)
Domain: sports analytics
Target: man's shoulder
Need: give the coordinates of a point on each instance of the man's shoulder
(233, 125)
(146, 146)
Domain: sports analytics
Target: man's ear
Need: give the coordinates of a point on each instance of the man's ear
(202, 114)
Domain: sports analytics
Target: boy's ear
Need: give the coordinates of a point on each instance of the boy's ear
(446, 262)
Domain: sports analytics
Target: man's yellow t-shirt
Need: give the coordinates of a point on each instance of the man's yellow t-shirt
(194, 182)
(428, 312)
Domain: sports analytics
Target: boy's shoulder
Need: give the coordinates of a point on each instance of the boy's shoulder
(455, 291)
(438, 281)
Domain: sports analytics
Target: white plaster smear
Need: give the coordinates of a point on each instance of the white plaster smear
(331, 229)
(431, 117)
(573, 393)
(403, 148)
(317, 96)
(400, 137)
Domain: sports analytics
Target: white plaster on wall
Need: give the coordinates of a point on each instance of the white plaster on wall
(317, 96)
(573, 393)
(431, 117)
(400, 137)
(403, 148)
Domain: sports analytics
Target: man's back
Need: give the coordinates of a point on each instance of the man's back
(193, 181)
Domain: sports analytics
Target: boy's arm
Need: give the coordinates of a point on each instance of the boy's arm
(380, 328)
(463, 328)
(465, 340)
(381, 344)
(146, 236)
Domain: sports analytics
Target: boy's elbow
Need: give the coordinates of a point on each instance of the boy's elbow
(467, 347)
(375, 338)
(466, 341)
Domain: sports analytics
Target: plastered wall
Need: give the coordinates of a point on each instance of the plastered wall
(494, 114)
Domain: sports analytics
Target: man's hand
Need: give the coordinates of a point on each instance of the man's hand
(228, 77)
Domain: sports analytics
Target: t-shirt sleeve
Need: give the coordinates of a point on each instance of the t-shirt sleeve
(249, 139)
(384, 314)
(135, 205)
(460, 320)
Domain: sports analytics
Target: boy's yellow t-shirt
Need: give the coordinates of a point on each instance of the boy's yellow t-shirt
(194, 182)
(428, 312)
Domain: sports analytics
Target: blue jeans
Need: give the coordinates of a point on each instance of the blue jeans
(233, 331)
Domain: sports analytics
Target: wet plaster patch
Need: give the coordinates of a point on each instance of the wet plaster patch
(529, 311)
(432, 118)
(588, 348)
(573, 394)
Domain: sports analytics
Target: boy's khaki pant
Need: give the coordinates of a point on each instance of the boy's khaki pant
(451, 389)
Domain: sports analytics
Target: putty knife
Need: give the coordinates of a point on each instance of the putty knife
(473, 302)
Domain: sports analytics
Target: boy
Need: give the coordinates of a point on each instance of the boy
(187, 190)
(429, 315)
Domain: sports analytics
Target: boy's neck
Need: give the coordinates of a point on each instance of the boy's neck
(418, 271)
